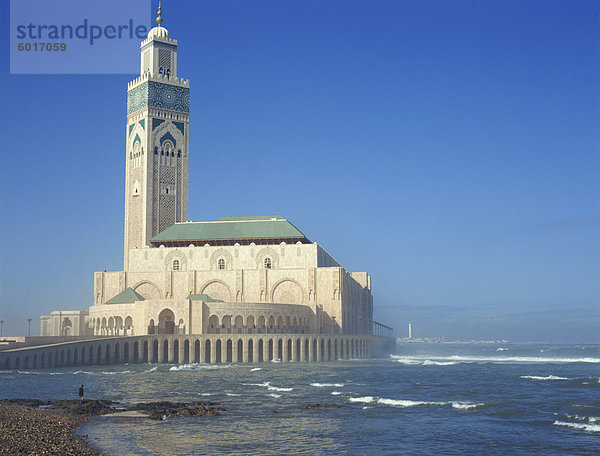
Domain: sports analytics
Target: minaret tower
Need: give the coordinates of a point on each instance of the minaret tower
(156, 170)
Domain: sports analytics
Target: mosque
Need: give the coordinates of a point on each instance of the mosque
(235, 275)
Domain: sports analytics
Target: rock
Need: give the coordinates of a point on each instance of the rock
(317, 406)
(312, 406)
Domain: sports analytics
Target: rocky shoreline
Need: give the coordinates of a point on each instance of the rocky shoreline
(40, 427)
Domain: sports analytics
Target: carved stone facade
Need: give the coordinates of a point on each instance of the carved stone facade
(156, 182)
(332, 300)
(237, 275)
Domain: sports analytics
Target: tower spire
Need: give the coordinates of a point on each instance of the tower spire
(159, 18)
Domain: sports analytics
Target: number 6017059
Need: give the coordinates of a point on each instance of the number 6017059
(42, 47)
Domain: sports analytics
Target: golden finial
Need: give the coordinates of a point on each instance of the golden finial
(159, 18)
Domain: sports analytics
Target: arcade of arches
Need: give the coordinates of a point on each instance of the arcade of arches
(192, 349)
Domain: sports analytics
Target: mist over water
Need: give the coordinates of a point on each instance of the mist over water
(424, 399)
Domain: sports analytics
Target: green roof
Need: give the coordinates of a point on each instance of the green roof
(203, 298)
(239, 218)
(128, 295)
(232, 228)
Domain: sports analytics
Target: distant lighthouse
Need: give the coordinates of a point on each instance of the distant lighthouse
(409, 330)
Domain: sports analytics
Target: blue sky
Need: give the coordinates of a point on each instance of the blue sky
(449, 148)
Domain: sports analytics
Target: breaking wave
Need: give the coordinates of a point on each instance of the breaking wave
(152, 369)
(268, 386)
(428, 362)
(275, 395)
(336, 393)
(408, 403)
(491, 359)
(199, 366)
(582, 426)
(548, 377)
(589, 419)
(254, 369)
(323, 385)
(365, 399)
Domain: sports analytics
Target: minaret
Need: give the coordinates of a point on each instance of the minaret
(409, 330)
(156, 170)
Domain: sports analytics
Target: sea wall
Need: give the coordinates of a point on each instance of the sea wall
(227, 348)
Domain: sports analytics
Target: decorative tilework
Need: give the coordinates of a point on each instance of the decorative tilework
(146, 61)
(143, 124)
(159, 44)
(164, 59)
(158, 95)
(180, 127)
(156, 123)
(130, 129)
(168, 136)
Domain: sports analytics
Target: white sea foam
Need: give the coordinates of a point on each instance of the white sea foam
(268, 386)
(409, 403)
(405, 403)
(275, 360)
(152, 369)
(429, 362)
(27, 373)
(275, 388)
(364, 399)
(254, 369)
(256, 384)
(501, 349)
(56, 373)
(116, 372)
(233, 394)
(199, 366)
(548, 377)
(589, 419)
(83, 372)
(275, 395)
(423, 362)
(492, 359)
(584, 427)
(336, 393)
(466, 405)
(323, 385)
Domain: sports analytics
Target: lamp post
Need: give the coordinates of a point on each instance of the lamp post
(29, 329)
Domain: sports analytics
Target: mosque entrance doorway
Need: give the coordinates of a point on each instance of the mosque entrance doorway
(166, 322)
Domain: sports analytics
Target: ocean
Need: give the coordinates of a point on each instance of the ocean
(425, 399)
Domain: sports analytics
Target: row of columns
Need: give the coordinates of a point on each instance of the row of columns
(180, 349)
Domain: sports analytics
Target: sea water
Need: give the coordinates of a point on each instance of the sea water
(425, 399)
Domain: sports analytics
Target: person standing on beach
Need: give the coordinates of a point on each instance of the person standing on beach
(81, 394)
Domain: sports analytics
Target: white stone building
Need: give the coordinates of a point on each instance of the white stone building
(65, 323)
(240, 275)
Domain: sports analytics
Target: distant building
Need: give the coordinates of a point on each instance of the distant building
(65, 323)
(246, 275)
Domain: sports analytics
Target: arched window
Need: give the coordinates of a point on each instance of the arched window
(267, 263)
(221, 263)
(175, 265)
